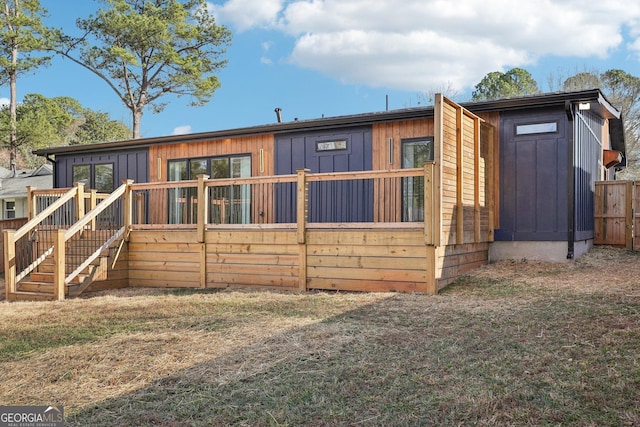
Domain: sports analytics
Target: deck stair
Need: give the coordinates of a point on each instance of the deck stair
(62, 250)
(38, 286)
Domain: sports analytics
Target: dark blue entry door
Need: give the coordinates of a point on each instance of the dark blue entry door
(334, 201)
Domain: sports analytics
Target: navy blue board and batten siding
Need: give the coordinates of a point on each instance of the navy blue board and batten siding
(534, 178)
(127, 164)
(547, 179)
(350, 201)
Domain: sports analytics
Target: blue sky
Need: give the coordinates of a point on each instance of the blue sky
(335, 57)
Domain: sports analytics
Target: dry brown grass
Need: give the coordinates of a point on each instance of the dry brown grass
(513, 343)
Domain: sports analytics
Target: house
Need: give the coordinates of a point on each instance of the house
(550, 149)
(403, 200)
(13, 189)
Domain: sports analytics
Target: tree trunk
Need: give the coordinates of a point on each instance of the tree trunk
(13, 102)
(136, 113)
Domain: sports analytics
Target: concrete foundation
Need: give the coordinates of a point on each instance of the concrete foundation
(537, 251)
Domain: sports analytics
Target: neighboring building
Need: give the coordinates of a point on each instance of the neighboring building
(13, 189)
(549, 150)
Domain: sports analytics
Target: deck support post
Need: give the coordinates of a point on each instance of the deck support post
(127, 208)
(429, 206)
(79, 200)
(476, 180)
(431, 283)
(59, 272)
(31, 203)
(460, 176)
(303, 204)
(302, 210)
(9, 263)
(93, 198)
(431, 226)
(203, 220)
(203, 205)
(140, 217)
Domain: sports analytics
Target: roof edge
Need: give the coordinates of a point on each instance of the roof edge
(540, 100)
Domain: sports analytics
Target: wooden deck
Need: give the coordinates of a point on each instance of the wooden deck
(257, 232)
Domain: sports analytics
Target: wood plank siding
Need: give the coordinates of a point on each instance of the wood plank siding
(159, 155)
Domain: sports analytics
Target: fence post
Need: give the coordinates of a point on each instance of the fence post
(9, 263)
(79, 200)
(127, 208)
(203, 206)
(59, 270)
(31, 203)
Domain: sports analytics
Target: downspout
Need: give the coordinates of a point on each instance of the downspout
(55, 170)
(571, 189)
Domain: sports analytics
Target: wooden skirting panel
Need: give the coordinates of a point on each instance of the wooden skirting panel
(164, 259)
(252, 258)
(455, 260)
(367, 260)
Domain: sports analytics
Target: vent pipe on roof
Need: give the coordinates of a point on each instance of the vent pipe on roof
(278, 111)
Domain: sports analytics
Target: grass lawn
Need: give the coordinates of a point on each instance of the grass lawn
(515, 343)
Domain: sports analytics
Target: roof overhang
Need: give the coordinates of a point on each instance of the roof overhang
(594, 97)
(274, 128)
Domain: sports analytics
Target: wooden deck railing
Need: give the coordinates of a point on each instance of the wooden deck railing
(395, 199)
(367, 199)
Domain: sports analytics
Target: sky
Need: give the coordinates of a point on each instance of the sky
(326, 58)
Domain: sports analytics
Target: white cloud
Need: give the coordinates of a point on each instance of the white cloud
(4, 102)
(417, 44)
(244, 14)
(181, 130)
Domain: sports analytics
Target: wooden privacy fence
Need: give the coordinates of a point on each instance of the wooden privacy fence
(617, 214)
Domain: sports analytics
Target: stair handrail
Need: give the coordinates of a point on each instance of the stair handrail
(93, 213)
(33, 223)
(88, 218)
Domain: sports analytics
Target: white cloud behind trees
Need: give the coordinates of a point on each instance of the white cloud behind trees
(414, 45)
